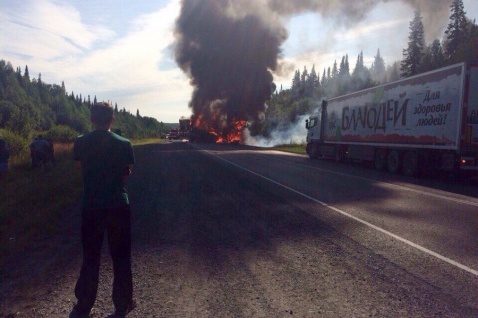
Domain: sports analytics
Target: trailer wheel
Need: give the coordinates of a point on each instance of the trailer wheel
(380, 161)
(394, 161)
(339, 154)
(313, 151)
(410, 164)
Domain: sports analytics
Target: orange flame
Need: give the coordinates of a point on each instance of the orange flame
(224, 130)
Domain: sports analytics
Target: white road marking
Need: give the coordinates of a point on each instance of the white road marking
(399, 238)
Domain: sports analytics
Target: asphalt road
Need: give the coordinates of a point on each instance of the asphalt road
(233, 231)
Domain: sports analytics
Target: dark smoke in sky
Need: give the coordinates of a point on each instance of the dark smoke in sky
(230, 48)
(228, 51)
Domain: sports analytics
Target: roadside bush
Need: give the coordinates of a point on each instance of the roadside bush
(61, 133)
(15, 143)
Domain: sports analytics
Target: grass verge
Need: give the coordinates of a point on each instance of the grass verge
(31, 201)
(294, 148)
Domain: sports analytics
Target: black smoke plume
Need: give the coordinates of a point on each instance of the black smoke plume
(228, 51)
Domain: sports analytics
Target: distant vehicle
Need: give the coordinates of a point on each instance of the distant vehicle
(184, 128)
(426, 122)
(173, 134)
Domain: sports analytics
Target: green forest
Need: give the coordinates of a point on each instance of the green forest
(28, 106)
(459, 43)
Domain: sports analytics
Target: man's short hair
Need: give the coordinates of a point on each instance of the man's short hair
(101, 113)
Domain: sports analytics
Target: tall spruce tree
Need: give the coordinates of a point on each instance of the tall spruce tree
(359, 66)
(457, 30)
(335, 70)
(393, 72)
(413, 54)
(303, 77)
(311, 83)
(324, 78)
(344, 70)
(26, 75)
(434, 57)
(295, 87)
(378, 69)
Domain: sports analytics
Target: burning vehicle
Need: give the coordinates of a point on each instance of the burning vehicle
(228, 52)
(184, 128)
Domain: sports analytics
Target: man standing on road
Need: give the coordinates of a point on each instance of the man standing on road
(106, 160)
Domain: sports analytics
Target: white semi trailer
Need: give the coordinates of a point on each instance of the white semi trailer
(425, 122)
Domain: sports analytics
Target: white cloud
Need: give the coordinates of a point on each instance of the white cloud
(47, 30)
(131, 64)
(51, 39)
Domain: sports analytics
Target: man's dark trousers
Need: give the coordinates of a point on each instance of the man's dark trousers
(117, 224)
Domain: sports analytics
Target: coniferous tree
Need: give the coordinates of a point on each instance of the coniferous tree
(344, 70)
(378, 69)
(433, 58)
(26, 74)
(19, 77)
(335, 70)
(393, 72)
(457, 30)
(295, 88)
(347, 65)
(303, 78)
(358, 66)
(342, 66)
(311, 83)
(341, 84)
(413, 54)
(361, 77)
(324, 78)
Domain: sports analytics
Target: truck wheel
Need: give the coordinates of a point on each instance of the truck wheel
(410, 164)
(339, 154)
(394, 161)
(380, 161)
(313, 151)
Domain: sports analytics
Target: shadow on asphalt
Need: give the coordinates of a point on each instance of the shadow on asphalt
(184, 198)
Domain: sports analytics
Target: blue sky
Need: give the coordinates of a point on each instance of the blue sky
(121, 50)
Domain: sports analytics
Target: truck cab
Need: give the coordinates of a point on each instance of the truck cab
(173, 134)
(313, 127)
(313, 135)
(315, 131)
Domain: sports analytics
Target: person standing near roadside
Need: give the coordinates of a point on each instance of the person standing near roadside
(39, 150)
(4, 155)
(105, 160)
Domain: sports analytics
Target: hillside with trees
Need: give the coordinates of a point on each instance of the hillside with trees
(29, 106)
(459, 43)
